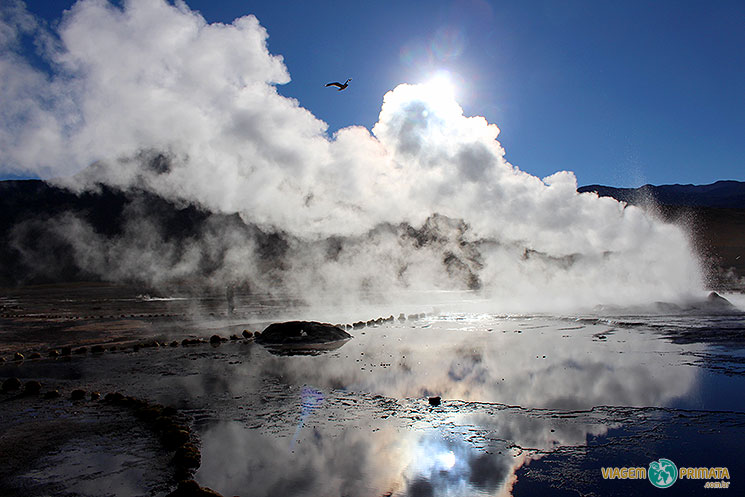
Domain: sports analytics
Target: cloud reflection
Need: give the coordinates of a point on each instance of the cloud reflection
(375, 434)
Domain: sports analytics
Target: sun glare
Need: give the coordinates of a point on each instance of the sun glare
(440, 88)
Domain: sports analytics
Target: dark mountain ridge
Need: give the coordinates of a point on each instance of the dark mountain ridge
(722, 194)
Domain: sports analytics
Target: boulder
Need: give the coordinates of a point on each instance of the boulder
(77, 395)
(173, 439)
(716, 302)
(52, 394)
(32, 388)
(11, 384)
(187, 457)
(301, 332)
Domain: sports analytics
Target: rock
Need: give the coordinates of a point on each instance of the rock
(136, 403)
(247, 334)
(175, 438)
(11, 384)
(54, 353)
(97, 349)
(77, 395)
(52, 394)
(234, 337)
(215, 339)
(95, 395)
(401, 317)
(81, 350)
(301, 332)
(174, 343)
(166, 423)
(717, 302)
(35, 355)
(113, 397)
(18, 356)
(66, 350)
(190, 488)
(187, 457)
(434, 401)
(32, 388)
(149, 413)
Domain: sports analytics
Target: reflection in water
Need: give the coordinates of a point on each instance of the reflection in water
(356, 421)
(310, 400)
(527, 362)
(383, 461)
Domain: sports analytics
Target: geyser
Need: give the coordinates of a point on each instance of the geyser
(150, 97)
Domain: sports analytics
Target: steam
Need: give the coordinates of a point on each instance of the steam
(150, 97)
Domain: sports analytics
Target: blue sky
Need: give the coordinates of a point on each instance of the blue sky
(621, 93)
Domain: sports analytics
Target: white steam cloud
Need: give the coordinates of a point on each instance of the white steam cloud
(151, 77)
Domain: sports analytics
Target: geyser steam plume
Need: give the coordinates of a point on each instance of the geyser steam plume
(150, 97)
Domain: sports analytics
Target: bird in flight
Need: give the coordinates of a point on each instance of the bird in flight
(341, 86)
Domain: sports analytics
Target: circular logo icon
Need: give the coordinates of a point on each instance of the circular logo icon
(662, 473)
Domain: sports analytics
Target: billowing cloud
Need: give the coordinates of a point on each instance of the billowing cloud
(151, 96)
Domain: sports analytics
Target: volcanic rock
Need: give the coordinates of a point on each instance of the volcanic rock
(301, 332)
(434, 401)
(247, 334)
(716, 301)
(11, 384)
(77, 395)
(52, 394)
(175, 438)
(32, 388)
(187, 457)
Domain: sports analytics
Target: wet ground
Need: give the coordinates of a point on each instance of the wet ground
(529, 404)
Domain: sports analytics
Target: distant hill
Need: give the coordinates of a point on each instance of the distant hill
(722, 194)
(714, 215)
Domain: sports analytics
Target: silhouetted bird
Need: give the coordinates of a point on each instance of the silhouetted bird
(341, 86)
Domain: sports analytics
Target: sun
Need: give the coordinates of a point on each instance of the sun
(439, 92)
(440, 86)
